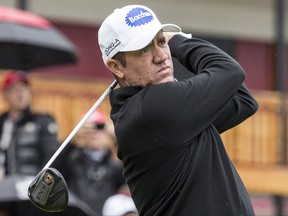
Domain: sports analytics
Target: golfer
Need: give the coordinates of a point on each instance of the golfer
(168, 131)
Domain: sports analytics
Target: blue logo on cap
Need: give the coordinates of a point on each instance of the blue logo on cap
(138, 16)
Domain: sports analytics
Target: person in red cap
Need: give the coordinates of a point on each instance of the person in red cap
(27, 139)
(88, 163)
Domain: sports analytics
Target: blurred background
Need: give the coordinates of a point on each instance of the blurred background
(254, 32)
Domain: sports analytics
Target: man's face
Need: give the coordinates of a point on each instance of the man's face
(150, 65)
(18, 96)
(90, 137)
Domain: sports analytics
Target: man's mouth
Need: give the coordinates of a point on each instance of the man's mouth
(164, 68)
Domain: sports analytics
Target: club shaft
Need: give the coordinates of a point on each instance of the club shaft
(81, 122)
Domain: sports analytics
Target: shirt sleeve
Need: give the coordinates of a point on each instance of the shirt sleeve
(242, 106)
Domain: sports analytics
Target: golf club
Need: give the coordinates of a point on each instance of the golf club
(48, 191)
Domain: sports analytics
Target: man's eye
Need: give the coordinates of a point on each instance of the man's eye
(162, 41)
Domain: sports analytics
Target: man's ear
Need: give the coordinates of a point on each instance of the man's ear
(115, 67)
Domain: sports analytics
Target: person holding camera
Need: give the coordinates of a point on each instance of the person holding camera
(88, 163)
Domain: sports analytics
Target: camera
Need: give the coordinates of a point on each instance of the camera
(99, 126)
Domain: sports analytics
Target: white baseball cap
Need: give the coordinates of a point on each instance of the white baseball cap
(118, 205)
(129, 28)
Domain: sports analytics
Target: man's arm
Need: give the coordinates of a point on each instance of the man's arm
(194, 103)
(242, 106)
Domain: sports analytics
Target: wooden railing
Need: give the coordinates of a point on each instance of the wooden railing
(254, 146)
(258, 139)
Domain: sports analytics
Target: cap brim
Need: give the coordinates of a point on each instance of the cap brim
(171, 28)
(145, 37)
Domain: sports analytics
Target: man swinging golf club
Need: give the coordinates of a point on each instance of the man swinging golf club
(168, 131)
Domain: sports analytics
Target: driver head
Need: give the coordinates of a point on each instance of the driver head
(48, 191)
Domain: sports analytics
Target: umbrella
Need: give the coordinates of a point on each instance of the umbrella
(28, 41)
(14, 198)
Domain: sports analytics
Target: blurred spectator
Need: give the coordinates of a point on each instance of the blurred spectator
(88, 164)
(119, 205)
(27, 139)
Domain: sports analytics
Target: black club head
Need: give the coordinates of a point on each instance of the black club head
(48, 191)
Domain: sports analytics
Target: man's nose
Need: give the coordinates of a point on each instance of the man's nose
(159, 55)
